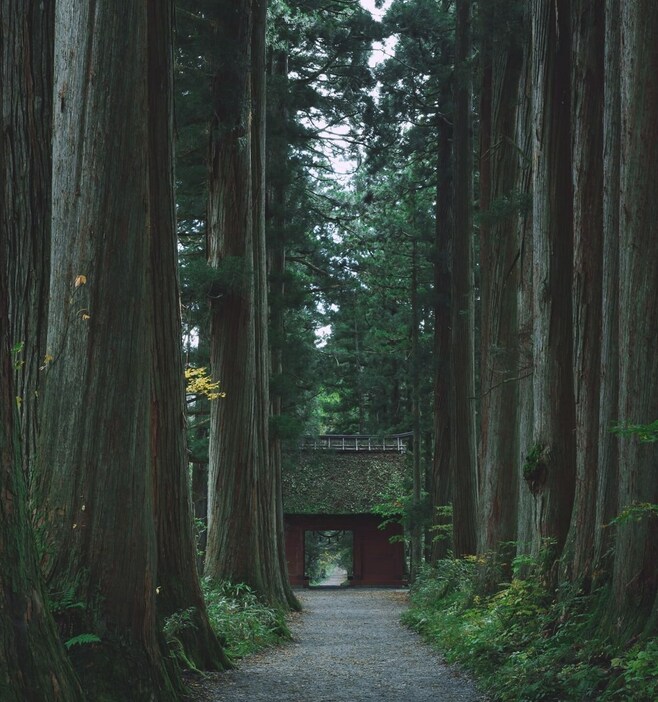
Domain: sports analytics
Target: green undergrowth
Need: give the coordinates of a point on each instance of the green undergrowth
(524, 642)
(242, 621)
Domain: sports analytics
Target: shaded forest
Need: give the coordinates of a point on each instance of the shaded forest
(229, 224)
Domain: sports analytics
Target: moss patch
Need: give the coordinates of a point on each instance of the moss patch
(338, 482)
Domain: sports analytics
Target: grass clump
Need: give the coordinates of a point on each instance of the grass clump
(242, 621)
(524, 641)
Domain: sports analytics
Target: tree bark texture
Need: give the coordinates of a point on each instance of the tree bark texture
(607, 477)
(440, 485)
(462, 422)
(525, 411)
(94, 484)
(33, 663)
(243, 536)
(588, 24)
(499, 279)
(550, 468)
(178, 581)
(277, 182)
(635, 575)
(26, 82)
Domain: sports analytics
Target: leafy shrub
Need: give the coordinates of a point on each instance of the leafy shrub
(241, 620)
(525, 641)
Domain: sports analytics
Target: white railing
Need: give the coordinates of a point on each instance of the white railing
(356, 442)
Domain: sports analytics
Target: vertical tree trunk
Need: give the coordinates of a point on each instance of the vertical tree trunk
(606, 493)
(550, 467)
(277, 183)
(33, 662)
(417, 473)
(525, 411)
(27, 107)
(233, 543)
(587, 155)
(94, 485)
(244, 539)
(462, 435)
(271, 500)
(440, 483)
(177, 579)
(636, 553)
(499, 275)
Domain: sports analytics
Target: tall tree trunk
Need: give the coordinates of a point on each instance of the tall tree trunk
(276, 225)
(94, 485)
(233, 544)
(587, 155)
(525, 411)
(243, 537)
(177, 579)
(636, 552)
(440, 482)
(417, 472)
(33, 662)
(271, 500)
(607, 483)
(550, 466)
(462, 422)
(499, 275)
(27, 107)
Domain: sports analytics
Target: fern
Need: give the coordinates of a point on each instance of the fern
(81, 640)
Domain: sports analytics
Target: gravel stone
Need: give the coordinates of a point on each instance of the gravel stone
(348, 646)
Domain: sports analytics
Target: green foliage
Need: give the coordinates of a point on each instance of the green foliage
(242, 622)
(645, 433)
(82, 640)
(398, 506)
(525, 641)
(172, 629)
(324, 552)
(636, 512)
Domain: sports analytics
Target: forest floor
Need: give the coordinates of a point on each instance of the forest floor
(348, 646)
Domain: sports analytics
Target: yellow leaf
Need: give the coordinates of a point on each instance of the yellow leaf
(80, 280)
(47, 359)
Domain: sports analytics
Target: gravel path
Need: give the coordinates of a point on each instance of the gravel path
(348, 646)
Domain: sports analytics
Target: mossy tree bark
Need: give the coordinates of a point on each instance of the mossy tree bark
(94, 483)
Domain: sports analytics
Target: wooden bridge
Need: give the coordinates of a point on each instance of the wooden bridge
(356, 442)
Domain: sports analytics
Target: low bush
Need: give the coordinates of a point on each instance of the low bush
(526, 642)
(241, 620)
